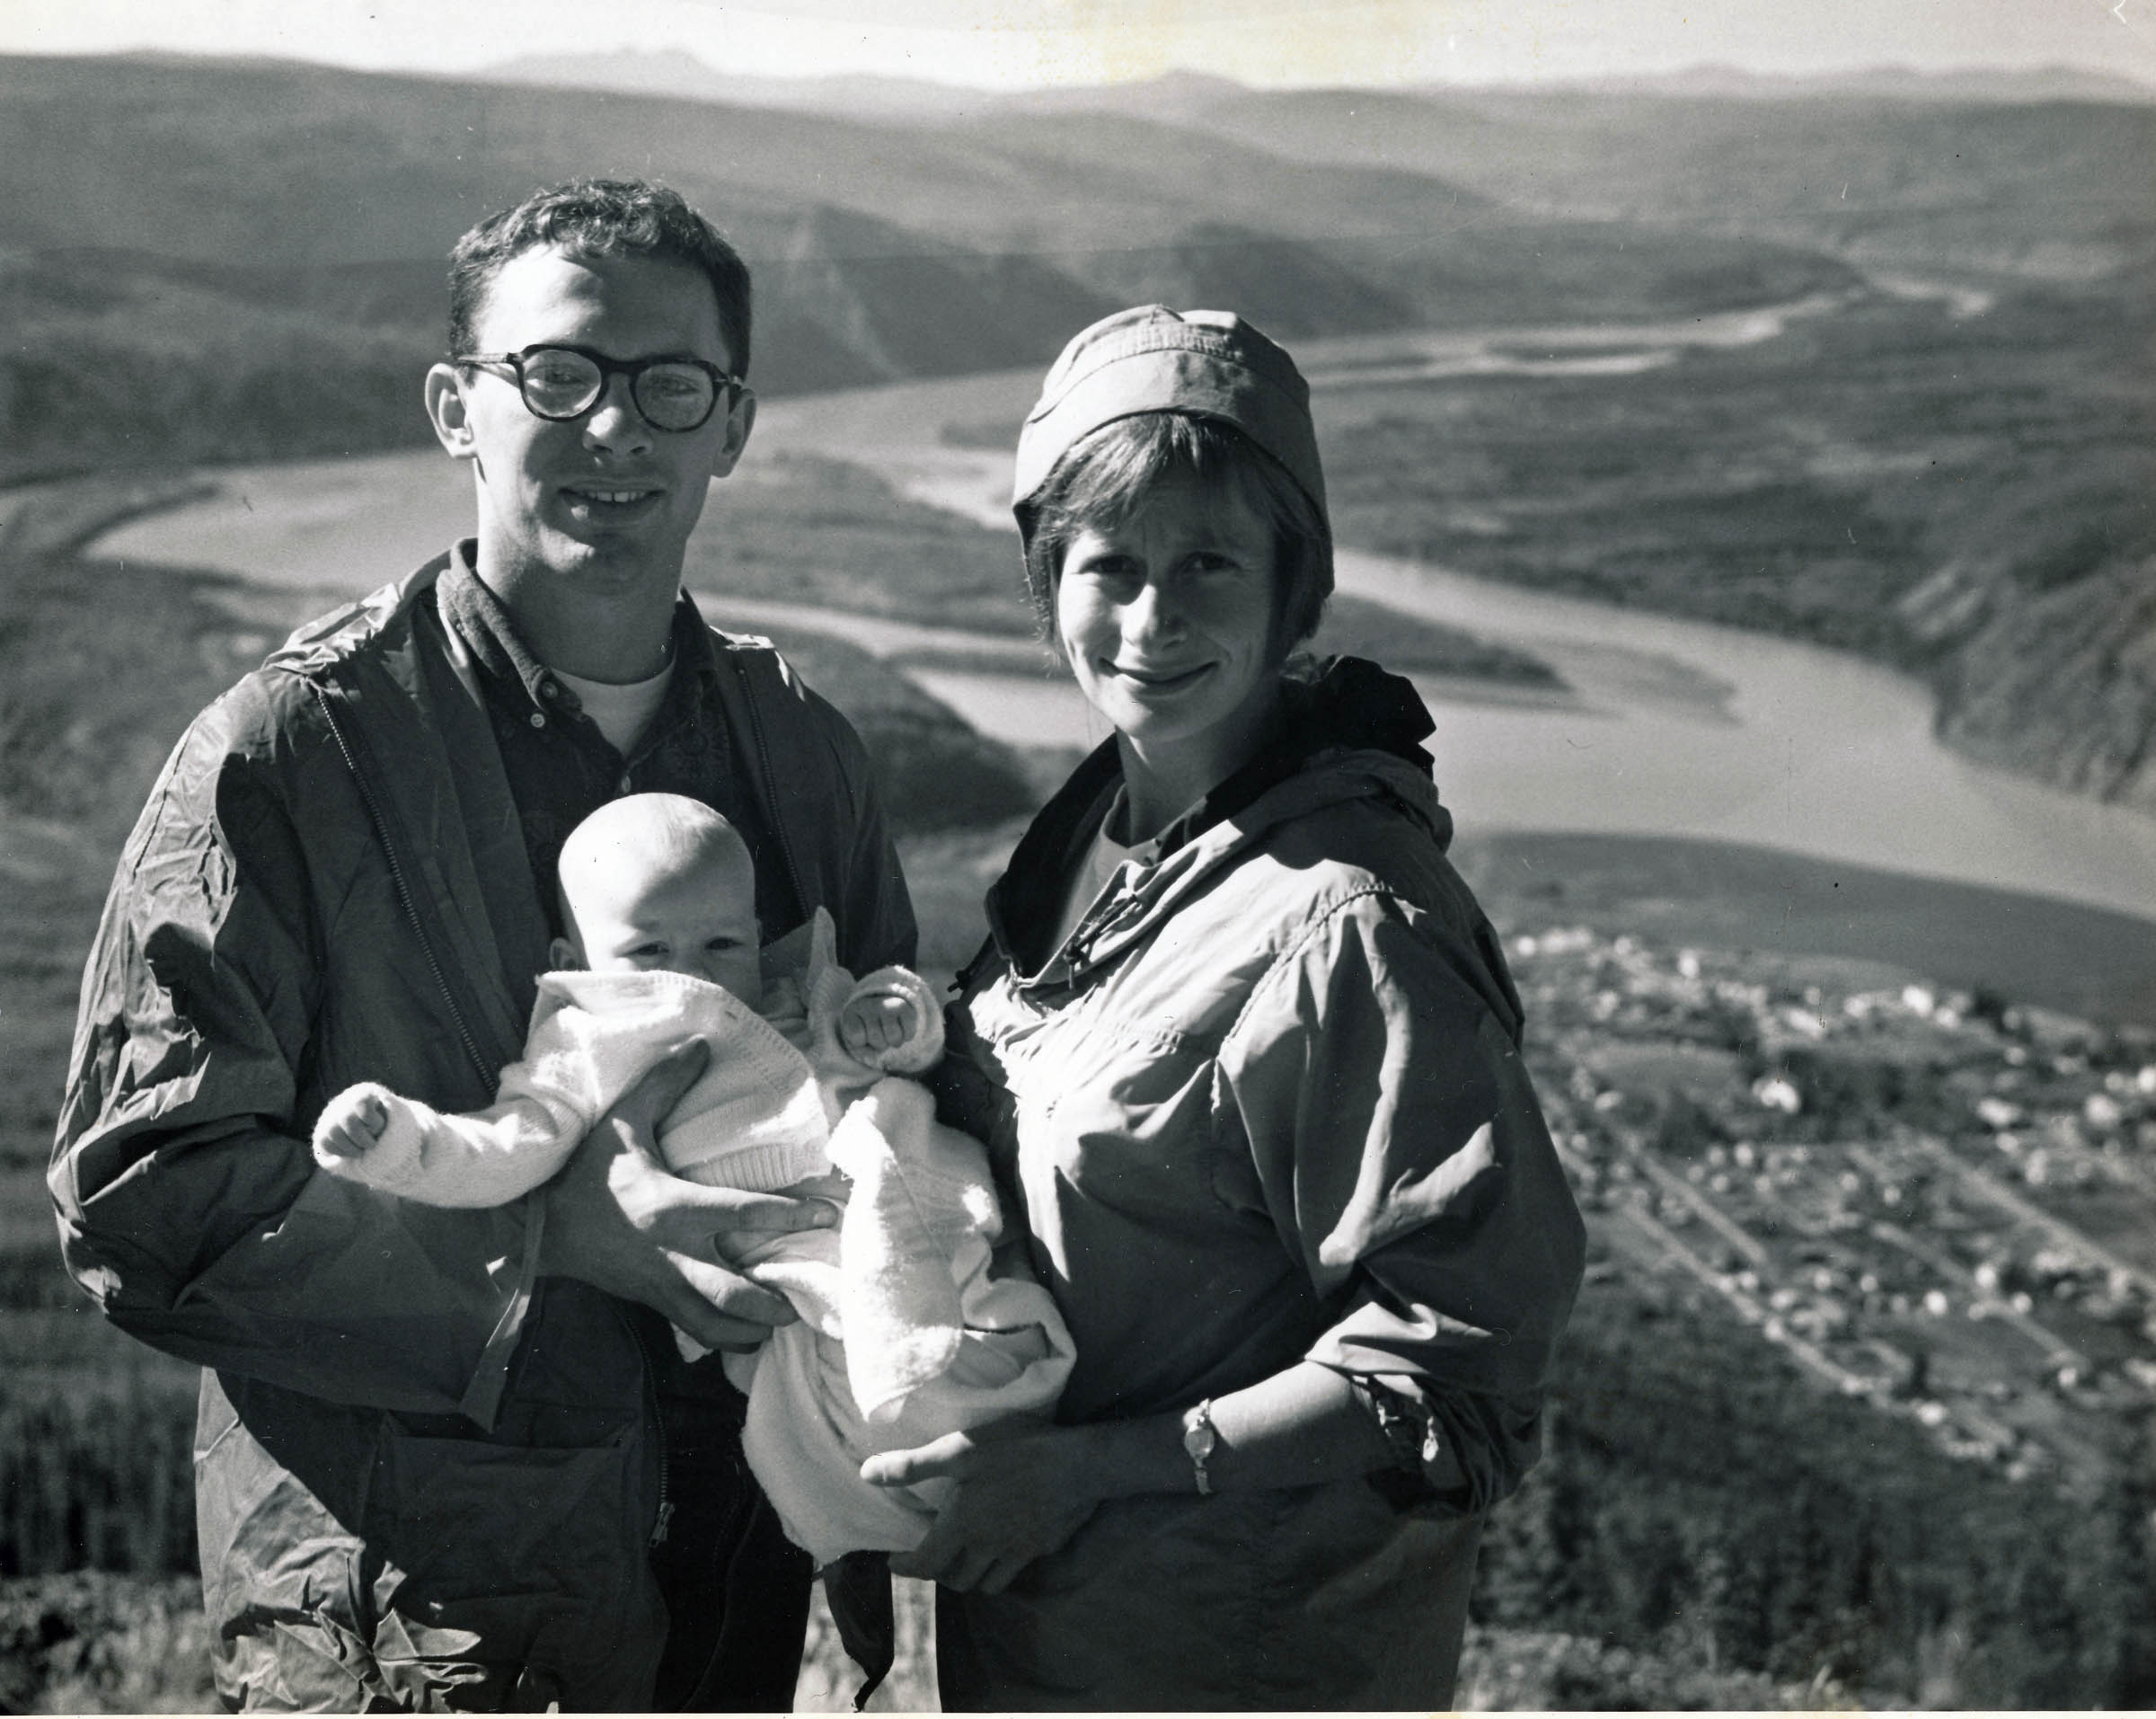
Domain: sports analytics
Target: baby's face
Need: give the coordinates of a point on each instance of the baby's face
(698, 918)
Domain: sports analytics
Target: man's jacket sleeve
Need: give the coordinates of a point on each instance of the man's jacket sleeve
(188, 1199)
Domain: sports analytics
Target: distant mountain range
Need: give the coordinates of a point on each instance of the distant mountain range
(672, 73)
(161, 207)
(1899, 83)
(154, 210)
(221, 260)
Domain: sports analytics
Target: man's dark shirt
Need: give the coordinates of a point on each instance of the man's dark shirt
(562, 769)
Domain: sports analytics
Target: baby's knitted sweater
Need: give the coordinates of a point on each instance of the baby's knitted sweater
(759, 1118)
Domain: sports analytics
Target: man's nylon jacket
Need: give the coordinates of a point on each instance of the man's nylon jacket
(425, 1476)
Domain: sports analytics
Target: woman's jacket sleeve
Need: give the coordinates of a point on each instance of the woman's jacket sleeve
(1405, 1162)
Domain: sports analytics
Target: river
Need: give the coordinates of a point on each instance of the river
(1675, 728)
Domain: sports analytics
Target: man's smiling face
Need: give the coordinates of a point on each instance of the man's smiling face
(603, 501)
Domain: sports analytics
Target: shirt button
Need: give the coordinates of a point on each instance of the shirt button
(627, 786)
(538, 719)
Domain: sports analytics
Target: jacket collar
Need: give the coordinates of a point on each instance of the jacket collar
(486, 641)
(1347, 730)
(400, 691)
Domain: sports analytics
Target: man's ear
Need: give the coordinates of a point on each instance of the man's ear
(561, 955)
(739, 421)
(446, 412)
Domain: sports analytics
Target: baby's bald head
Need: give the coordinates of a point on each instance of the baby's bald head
(642, 835)
(660, 882)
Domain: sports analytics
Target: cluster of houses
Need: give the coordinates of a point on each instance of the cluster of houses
(1938, 1202)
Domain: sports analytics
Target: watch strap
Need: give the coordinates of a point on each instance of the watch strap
(1200, 1439)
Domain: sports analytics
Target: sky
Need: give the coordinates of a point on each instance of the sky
(1004, 44)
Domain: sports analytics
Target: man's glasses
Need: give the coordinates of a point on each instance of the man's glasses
(558, 383)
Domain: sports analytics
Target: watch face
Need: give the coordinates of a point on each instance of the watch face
(1200, 1440)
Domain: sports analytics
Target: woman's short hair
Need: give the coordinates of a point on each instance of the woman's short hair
(601, 217)
(1104, 480)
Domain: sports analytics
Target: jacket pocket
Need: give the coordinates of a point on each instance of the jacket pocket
(526, 1563)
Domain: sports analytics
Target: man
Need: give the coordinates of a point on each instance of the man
(450, 1458)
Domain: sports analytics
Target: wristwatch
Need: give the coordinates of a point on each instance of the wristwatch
(1200, 1440)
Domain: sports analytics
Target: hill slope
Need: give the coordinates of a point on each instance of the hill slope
(224, 259)
(205, 260)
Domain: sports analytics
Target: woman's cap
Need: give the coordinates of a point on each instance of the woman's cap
(1208, 363)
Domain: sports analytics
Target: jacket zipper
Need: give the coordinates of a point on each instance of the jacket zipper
(664, 1515)
(402, 884)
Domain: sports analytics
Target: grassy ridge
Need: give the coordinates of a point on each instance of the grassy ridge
(934, 771)
(830, 533)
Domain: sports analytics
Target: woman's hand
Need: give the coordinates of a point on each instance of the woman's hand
(617, 1221)
(1022, 1489)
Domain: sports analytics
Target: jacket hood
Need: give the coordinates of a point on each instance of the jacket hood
(1348, 730)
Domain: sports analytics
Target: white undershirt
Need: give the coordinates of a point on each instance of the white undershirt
(622, 712)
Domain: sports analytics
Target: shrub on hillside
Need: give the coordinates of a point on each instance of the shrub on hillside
(98, 1475)
(1736, 1517)
(93, 1643)
(1510, 1670)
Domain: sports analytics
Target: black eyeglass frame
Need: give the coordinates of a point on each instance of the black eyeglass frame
(608, 368)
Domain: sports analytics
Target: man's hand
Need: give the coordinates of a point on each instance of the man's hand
(617, 1221)
(870, 1025)
(1022, 1490)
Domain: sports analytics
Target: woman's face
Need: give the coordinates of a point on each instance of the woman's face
(1167, 621)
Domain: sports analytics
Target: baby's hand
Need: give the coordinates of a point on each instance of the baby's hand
(868, 1026)
(356, 1131)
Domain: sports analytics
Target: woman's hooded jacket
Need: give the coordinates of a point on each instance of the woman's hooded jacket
(1265, 1106)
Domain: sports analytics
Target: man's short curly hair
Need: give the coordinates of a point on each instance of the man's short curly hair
(600, 217)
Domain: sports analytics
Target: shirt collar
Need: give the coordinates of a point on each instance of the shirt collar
(484, 626)
(505, 661)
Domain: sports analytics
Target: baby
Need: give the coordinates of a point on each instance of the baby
(657, 898)
(658, 906)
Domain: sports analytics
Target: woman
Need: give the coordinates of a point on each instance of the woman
(1246, 1056)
